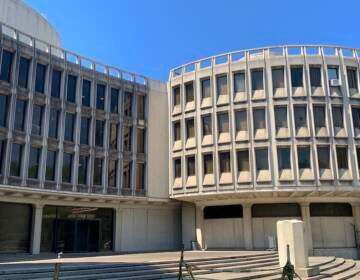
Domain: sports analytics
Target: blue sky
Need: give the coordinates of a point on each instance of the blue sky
(152, 36)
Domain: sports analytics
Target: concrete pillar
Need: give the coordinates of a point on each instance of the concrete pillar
(36, 229)
(117, 229)
(356, 216)
(305, 214)
(199, 224)
(247, 227)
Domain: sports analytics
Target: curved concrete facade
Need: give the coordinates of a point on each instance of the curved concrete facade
(25, 19)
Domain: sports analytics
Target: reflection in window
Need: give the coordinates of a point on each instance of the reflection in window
(99, 133)
(278, 77)
(261, 158)
(356, 117)
(20, 115)
(300, 116)
(127, 138)
(221, 85)
(206, 125)
(82, 169)
(176, 95)
(6, 66)
(98, 165)
(140, 176)
(333, 73)
(223, 122)
(50, 165)
(66, 167)
(281, 117)
(257, 82)
(37, 119)
(16, 159)
(189, 92)
(284, 161)
(2, 154)
(113, 136)
(239, 82)
(69, 126)
(296, 76)
(34, 162)
(241, 120)
(86, 93)
(128, 104)
(23, 77)
(342, 157)
(315, 76)
(205, 88)
(114, 101)
(127, 174)
(303, 154)
(337, 114)
(190, 131)
(190, 166)
(3, 110)
(259, 118)
(208, 164)
(40, 78)
(54, 123)
(71, 88)
(177, 131)
(243, 160)
(319, 116)
(141, 140)
(352, 78)
(177, 168)
(55, 83)
(323, 153)
(100, 97)
(84, 130)
(225, 165)
(112, 173)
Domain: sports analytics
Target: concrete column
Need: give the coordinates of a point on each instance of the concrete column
(247, 227)
(356, 216)
(36, 229)
(199, 224)
(305, 214)
(117, 229)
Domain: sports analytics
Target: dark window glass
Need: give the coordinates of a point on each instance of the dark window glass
(223, 122)
(243, 160)
(323, 153)
(141, 107)
(98, 163)
(127, 138)
(37, 119)
(34, 162)
(300, 116)
(127, 174)
(276, 210)
(67, 167)
(113, 136)
(140, 176)
(259, 118)
(100, 97)
(177, 131)
(357, 155)
(337, 114)
(84, 131)
(23, 78)
(16, 159)
(114, 101)
(221, 85)
(330, 210)
(356, 117)
(50, 165)
(128, 104)
(3, 110)
(177, 168)
(82, 169)
(69, 126)
(281, 117)
(191, 166)
(315, 76)
(176, 95)
(54, 123)
(2, 154)
(333, 73)
(99, 133)
(223, 212)
(86, 93)
(261, 157)
(71, 88)
(278, 77)
(190, 130)
(225, 165)
(303, 154)
(284, 158)
(239, 82)
(206, 125)
(296, 76)
(6, 65)
(205, 88)
(20, 115)
(208, 164)
(112, 173)
(352, 78)
(140, 140)
(55, 83)
(342, 157)
(189, 92)
(319, 116)
(257, 82)
(40, 78)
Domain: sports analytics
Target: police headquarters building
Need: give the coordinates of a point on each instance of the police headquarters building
(94, 158)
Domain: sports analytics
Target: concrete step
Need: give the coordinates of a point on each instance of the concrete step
(353, 273)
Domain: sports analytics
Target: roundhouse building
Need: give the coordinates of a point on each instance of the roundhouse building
(260, 135)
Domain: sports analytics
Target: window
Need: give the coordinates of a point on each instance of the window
(221, 85)
(208, 164)
(127, 138)
(127, 174)
(98, 164)
(141, 107)
(84, 130)
(352, 78)
(223, 212)
(6, 65)
(205, 88)
(284, 161)
(278, 77)
(99, 133)
(140, 176)
(37, 119)
(66, 167)
(356, 117)
(357, 155)
(303, 154)
(300, 116)
(3, 110)
(113, 136)
(50, 165)
(333, 73)
(315, 76)
(275, 210)
(257, 82)
(128, 104)
(176, 95)
(342, 157)
(34, 162)
(69, 126)
(23, 78)
(323, 153)
(177, 131)
(55, 83)
(330, 210)
(259, 118)
(71, 88)
(20, 115)
(54, 123)
(190, 131)
(337, 114)
(319, 116)
(112, 173)
(261, 157)
(281, 117)
(296, 76)
(191, 166)
(225, 165)
(241, 120)
(189, 92)
(177, 168)
(239, 82)
(82, 169)
(223, 122)
(100, 97)
(243, 160)
(206, 125)
(2, 154)
(16, 159)
(86, 93)
(40, 78)
(114, 101)
(141, 140)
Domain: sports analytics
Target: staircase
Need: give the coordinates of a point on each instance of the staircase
(245, 267)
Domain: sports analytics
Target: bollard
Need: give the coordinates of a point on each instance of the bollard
(57, 268)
